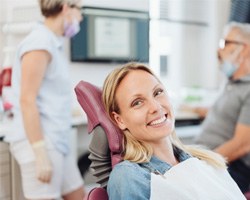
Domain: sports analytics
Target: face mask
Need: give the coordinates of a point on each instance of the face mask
(71, 29)
(228, 68)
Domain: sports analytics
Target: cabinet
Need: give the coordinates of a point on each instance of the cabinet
(5, 172)
(10, 177)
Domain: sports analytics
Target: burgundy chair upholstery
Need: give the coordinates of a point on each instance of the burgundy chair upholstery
(106, 145)
(247, 195)
(97, 193)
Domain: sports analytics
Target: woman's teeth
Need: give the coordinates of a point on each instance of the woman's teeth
(158, 121)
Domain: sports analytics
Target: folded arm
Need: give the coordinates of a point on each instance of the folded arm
(238, 146)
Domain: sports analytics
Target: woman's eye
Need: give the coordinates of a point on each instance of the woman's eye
(158, 92)
(136, 103)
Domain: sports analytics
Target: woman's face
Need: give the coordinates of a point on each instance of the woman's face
(72, 12)
(144, 105)
(75, 11)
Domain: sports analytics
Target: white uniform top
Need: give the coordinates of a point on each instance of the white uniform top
(54, 96)
(193, 179)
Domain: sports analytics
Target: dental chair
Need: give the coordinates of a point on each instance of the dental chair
(106, 144)
(247, 195)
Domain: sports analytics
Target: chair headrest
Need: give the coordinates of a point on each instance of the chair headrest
(89, 97)
(101, 160)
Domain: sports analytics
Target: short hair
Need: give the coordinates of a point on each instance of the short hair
(242, 28)
(50, 8)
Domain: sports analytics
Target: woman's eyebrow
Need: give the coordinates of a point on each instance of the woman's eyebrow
(157, 85)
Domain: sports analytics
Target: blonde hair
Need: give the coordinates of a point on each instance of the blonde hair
(136, 150)
(50, 8)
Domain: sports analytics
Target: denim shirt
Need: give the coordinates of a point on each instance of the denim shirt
(130, 180)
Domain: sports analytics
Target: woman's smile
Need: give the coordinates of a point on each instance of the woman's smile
(158, 121)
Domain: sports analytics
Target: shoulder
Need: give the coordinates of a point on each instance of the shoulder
(39, 34)
(128, 180)
(127, 169)
(38, 39)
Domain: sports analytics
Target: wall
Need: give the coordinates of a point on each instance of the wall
(187, 34)
(22, 13)
(193, 58)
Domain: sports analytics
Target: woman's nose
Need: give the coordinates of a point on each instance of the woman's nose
(154, 106)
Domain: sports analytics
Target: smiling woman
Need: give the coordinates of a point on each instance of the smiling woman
(138, 106)
(137, 102)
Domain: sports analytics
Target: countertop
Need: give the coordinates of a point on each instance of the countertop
(6, 125)
(187, 123)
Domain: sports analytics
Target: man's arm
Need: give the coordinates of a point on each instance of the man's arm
(199, 110)
(238, 146)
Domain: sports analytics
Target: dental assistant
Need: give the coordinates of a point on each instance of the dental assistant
(42, 106)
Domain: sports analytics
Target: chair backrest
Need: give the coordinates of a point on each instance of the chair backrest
(247, 195)
(106, 144)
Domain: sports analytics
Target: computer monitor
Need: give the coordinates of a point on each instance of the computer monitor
(109, 35)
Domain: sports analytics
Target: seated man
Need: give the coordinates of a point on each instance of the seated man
(226, 128)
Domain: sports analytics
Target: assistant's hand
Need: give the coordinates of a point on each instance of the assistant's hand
(43, 163)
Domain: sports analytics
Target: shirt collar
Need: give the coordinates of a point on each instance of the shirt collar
(161, 166)
(57, 40)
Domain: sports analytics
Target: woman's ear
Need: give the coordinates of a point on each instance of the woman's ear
(119, 121)
(65, 9)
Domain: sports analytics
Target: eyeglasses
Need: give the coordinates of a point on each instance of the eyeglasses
(76, 6)
(224, 42)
